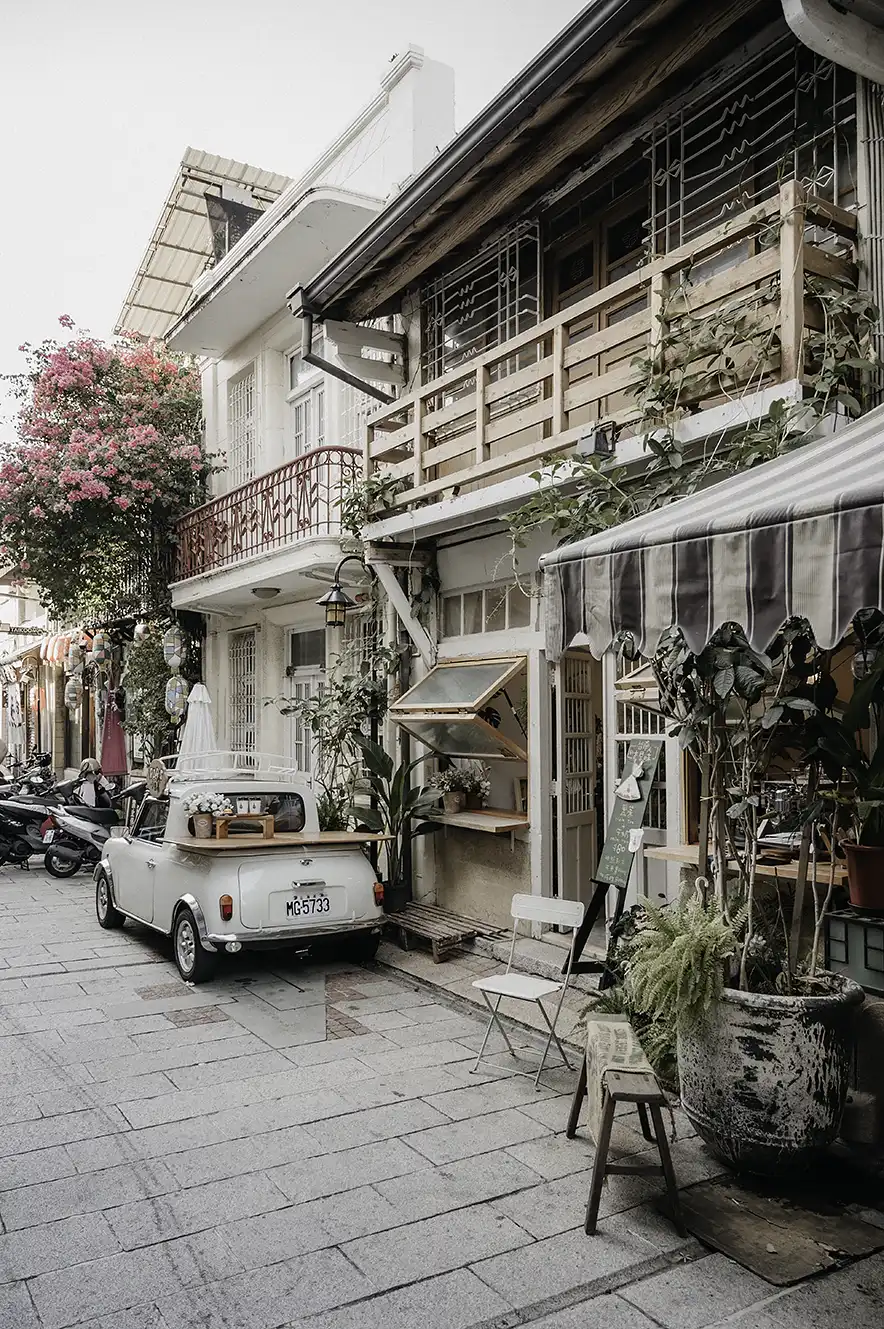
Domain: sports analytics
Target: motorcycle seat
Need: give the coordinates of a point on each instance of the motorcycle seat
(100, 816)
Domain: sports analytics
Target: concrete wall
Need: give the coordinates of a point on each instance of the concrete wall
(478, 874)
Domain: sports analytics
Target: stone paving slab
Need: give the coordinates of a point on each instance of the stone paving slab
(217, 1158)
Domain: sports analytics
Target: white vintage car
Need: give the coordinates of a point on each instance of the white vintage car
(297, 888)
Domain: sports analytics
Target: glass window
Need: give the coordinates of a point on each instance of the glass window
(472, 613)
(519, 608)
(461, 684)
(495, 609)
(308, 649)
(151, 823)
(466, 736)
(451, 619)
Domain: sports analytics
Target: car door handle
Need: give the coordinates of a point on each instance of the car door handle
(151, 863)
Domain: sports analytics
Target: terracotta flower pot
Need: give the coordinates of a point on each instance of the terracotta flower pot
(865, 877)
(203, 825)
(454, 801)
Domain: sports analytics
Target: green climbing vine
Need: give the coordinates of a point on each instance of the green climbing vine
(726, 353)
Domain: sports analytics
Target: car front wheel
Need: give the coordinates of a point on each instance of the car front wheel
(108, 915)
(195, 964)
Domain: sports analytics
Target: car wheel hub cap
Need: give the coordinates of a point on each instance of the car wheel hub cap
(186, 946)
(102, 898)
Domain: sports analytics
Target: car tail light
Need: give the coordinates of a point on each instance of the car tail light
(379, 892)
(226, 905)
(48, 825)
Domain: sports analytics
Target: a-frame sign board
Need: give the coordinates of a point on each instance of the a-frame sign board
(617, 857)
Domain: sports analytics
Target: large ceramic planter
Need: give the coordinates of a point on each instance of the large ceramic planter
(764, 1078)
(865, 877)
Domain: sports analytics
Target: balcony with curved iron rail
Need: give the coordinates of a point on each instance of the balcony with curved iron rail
(299, 500)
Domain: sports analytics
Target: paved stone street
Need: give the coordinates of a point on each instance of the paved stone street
(303, 1145)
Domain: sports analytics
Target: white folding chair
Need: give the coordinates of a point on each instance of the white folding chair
(525, 987)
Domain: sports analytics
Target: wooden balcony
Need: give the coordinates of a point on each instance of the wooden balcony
(295, 502)
(508, 409)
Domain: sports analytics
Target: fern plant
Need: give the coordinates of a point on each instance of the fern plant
(677, 960)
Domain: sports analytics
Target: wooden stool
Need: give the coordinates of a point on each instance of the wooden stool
(637, 1086)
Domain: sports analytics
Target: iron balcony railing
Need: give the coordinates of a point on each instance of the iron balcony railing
(296, 501)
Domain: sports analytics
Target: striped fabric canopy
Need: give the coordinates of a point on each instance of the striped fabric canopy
(802, 535)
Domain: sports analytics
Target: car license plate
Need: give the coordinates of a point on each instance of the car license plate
(49, 837)
(306, 905)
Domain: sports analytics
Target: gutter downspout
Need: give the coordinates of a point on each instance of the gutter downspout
(840, 37)
(335, 370)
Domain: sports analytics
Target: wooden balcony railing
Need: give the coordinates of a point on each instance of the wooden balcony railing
(507, 409)
(296, 501)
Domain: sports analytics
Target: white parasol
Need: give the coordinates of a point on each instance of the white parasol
(198, 742)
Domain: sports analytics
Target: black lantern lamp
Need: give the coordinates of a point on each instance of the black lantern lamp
(336, 602)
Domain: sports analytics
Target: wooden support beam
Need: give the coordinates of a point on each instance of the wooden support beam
(792, 198)
(399, 600)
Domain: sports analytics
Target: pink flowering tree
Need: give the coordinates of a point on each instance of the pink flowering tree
(108, 453)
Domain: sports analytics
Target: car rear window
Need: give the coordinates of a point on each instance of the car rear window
(287, 810)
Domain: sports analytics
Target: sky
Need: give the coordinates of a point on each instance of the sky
(99, 99)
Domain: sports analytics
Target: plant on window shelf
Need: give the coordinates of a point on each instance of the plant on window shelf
(462, 785)
(108, 454)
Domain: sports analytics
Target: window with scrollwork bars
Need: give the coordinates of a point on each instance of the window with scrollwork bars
(242, 691)
(241, 430)
(481, 303)
(789, 115)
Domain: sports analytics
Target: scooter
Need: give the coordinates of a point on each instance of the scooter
(74, 836)
(20, 830)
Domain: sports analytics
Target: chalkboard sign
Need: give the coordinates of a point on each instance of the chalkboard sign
(615, 863)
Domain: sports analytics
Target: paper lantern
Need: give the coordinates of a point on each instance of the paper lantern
(100, 648)
(176, 697)
(73, 692)
(173, 647)
(75, 656)
(141, 631)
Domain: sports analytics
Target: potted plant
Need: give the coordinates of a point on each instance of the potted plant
(763, 1034)
(399, 812)
(204, 808)
(462, 786)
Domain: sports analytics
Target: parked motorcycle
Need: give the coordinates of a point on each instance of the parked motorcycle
(74, 836)
(20, 829)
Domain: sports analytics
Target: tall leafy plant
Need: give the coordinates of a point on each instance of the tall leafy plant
(400, 809)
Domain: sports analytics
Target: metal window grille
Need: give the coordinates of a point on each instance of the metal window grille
(308, 420)
(791, 114)
(241, 432)
(303, 743)
(242, 710)
(578, 734)
(481, 303)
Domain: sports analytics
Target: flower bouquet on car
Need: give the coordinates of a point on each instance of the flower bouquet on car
(203, 808)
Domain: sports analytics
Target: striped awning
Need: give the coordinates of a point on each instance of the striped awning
(800, 536)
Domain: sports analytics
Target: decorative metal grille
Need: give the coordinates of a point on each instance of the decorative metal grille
(242, 709)
(483, 302)
(308, 420)
(578, 734)
(297, 500)
(241, 450)
(303, 742)
(791, 114)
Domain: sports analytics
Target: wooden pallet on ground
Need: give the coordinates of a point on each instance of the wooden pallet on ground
(442, 929)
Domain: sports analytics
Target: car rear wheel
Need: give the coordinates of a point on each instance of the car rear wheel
(108, 915)
(195, 964)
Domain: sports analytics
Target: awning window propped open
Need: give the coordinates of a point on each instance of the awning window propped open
(802, 536)
(450, 710)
